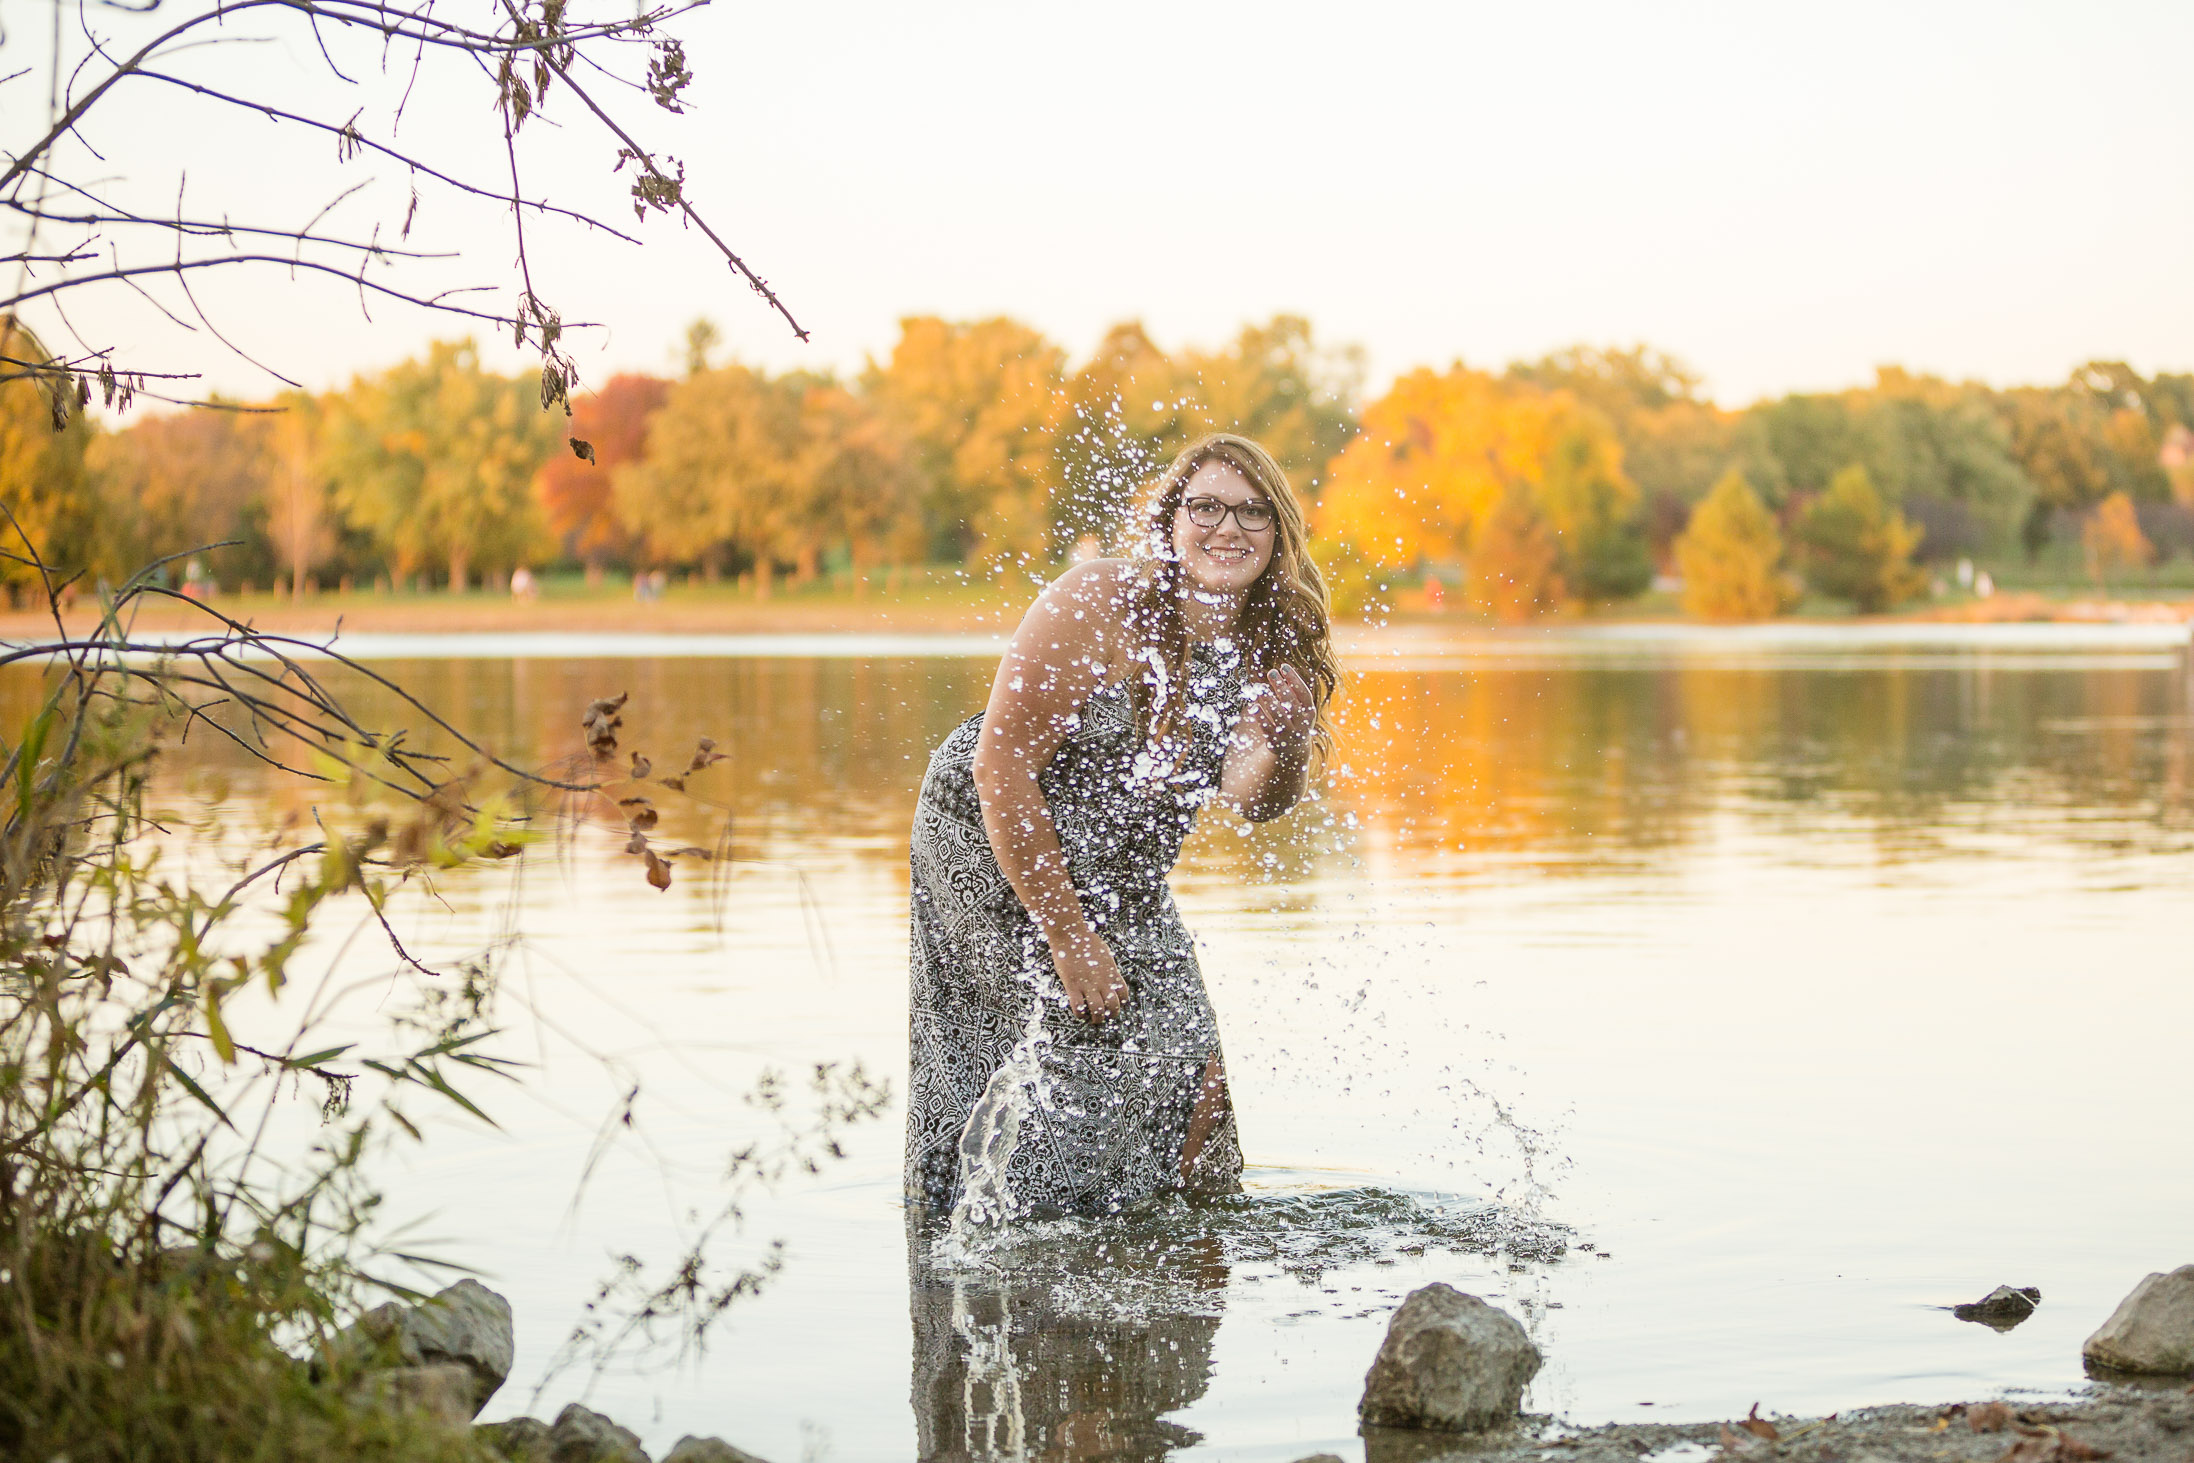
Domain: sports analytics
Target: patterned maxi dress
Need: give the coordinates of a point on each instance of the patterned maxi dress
(1102, 1110)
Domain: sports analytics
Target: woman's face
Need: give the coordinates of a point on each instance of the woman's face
(1225, 557)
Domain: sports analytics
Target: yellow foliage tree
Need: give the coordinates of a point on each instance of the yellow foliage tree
(1731, 556)
(2113, 539)
(982, 402)
(1440, 453)
(720, 473)
(43, 479)
(436, 460)
(1515, 569)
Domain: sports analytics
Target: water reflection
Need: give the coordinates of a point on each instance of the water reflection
(1073, 1361)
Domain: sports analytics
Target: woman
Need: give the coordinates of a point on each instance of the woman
(1065, 1056)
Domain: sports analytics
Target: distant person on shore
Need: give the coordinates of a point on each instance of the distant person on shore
(1065, 1058)
(522, 587)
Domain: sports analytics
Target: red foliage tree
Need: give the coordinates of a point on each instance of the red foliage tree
(579, 496)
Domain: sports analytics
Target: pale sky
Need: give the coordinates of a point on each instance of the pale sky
(1782, 196)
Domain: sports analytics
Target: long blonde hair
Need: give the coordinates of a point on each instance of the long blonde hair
(1286, 617)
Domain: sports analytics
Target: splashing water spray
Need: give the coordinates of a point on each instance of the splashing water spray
(993, 1136)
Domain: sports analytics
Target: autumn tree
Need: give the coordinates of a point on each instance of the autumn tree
(1856, 549)
(1731, 556)
(1515, 566)
(1275, 383)
(576, 491)
(856, 483)
(1439, 453)
(44, 483)
(2113, 539)
(185, 480)
(981, 402)
(436, 460)
(717, 474)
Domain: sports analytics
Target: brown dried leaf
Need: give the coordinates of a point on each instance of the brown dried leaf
(641, 766)
(1989, 1417)
(1741, 1445)
(658, 871)
(676, 782)
(2073, 1450)
(601, 723)
(1758, 1426)
(500, 849)
(581, 449)
(639, 813)
(638, 843)
(691, 851)
(705, 755)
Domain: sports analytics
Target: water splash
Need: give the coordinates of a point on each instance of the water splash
(987, 1202)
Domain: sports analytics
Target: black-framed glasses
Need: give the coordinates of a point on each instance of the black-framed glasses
(1254, 516)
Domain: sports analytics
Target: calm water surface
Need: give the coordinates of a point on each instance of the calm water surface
(1813, 984)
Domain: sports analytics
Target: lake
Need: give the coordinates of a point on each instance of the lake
(1724, 1005)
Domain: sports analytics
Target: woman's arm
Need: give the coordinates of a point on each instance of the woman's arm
(1054, 661)
(1268, 759)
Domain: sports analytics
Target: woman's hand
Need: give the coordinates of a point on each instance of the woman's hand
(1284, 711)
(1089, 975)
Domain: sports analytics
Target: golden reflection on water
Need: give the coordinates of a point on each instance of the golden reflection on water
(1556, 768)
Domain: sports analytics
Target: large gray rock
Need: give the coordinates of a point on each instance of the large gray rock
(467, 1325)
(707, 1450)
(582, 1435)
(1449, 1362)
(2152, 1330)
(442, 1388)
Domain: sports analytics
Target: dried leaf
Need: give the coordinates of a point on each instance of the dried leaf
(658, 871)
(638, 843)
(500, 849)
(675, 784)
(705, 755)
(2036, 1447)
(582, 450)
(639, 813)
(690, 851)
(641, 766)
(601, 723)
(1989, 1417)
(1758, 1426)
(2073, 1450)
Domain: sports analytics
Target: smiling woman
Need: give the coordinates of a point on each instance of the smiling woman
(1065, 1058)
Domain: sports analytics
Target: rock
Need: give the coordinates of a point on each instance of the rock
(1449, 1362)
(2001, 1308)
(707, 1450)
(467, 1324)
(520, 1439)
(1320, 1458)
(582, 1435)
(2152, 1330)
(443, 1388)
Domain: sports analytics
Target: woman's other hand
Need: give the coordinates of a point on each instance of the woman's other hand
(1091, 979)
(1285, 712)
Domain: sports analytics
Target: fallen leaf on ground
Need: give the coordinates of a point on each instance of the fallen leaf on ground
(2073, 1450)
(1989, 1417)
(1758, 1426)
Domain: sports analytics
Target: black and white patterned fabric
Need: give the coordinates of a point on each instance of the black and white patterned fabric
(1093, 1115)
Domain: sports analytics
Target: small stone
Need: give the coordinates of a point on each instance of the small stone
(1320, 1458)
(520, 1439)
(1450, 1362)
(582, 1435)
(707, 1450)
(2001, 1308)
(2152, 1330)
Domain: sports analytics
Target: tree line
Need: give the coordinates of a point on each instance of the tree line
(1577, 477)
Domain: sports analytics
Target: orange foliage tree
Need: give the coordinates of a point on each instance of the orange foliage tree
(578, 496)
(1440, 454)
(2113, 539)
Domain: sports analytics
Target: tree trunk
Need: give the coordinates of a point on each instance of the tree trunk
(762, 571)
(459, 565)
(594, 573)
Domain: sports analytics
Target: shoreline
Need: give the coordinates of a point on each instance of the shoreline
(2127, 1422)
(720, 616)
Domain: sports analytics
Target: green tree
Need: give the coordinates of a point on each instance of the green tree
(436, 459)
(1856, 549)
(1731, 556)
